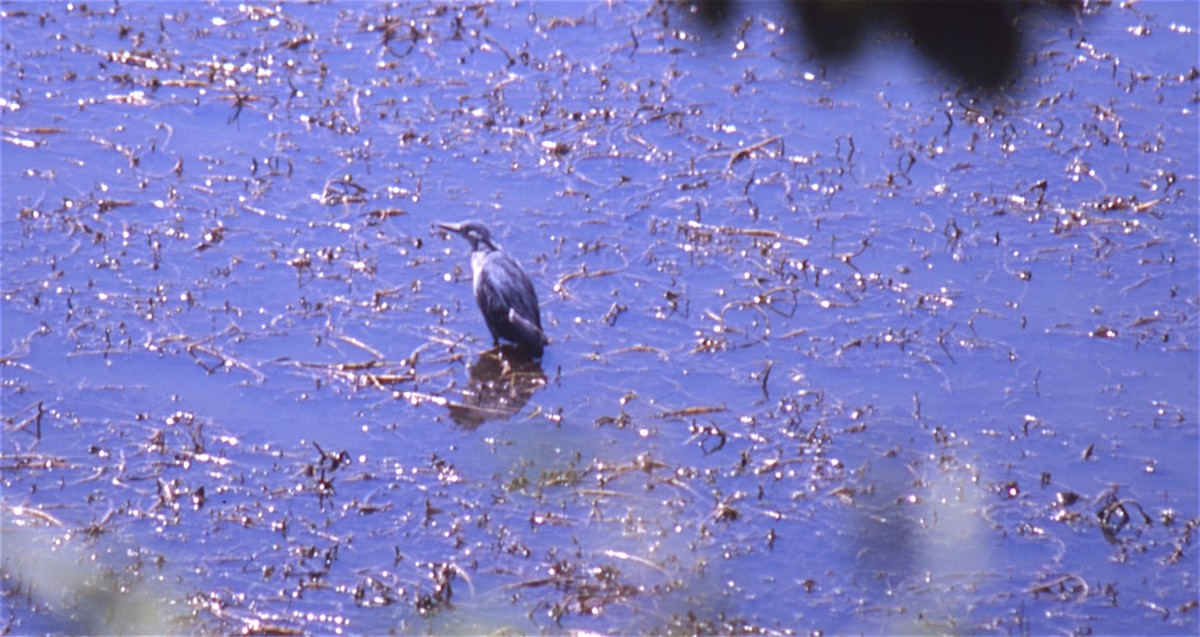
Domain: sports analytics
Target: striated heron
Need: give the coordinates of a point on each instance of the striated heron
(502, 289)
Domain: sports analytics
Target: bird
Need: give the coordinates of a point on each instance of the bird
(502, 289)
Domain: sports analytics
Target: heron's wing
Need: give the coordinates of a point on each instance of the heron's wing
(504, 286)
(531, 334)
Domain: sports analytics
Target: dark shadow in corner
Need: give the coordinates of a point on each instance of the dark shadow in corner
(978, 41)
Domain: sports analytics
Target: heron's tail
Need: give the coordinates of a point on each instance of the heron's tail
(532, 336)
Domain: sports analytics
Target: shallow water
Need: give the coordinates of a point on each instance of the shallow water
(839, 345)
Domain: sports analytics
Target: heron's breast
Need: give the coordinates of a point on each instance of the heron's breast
(477, 262)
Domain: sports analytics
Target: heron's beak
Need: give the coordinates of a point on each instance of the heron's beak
(456, 228)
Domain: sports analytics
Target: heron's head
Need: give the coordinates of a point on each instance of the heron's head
(472, 231)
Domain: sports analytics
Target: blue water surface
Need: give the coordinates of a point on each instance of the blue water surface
(839, 344)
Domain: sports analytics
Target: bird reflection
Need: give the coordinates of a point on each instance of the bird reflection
(501, 382)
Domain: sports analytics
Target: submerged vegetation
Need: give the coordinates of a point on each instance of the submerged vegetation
(839, 345)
